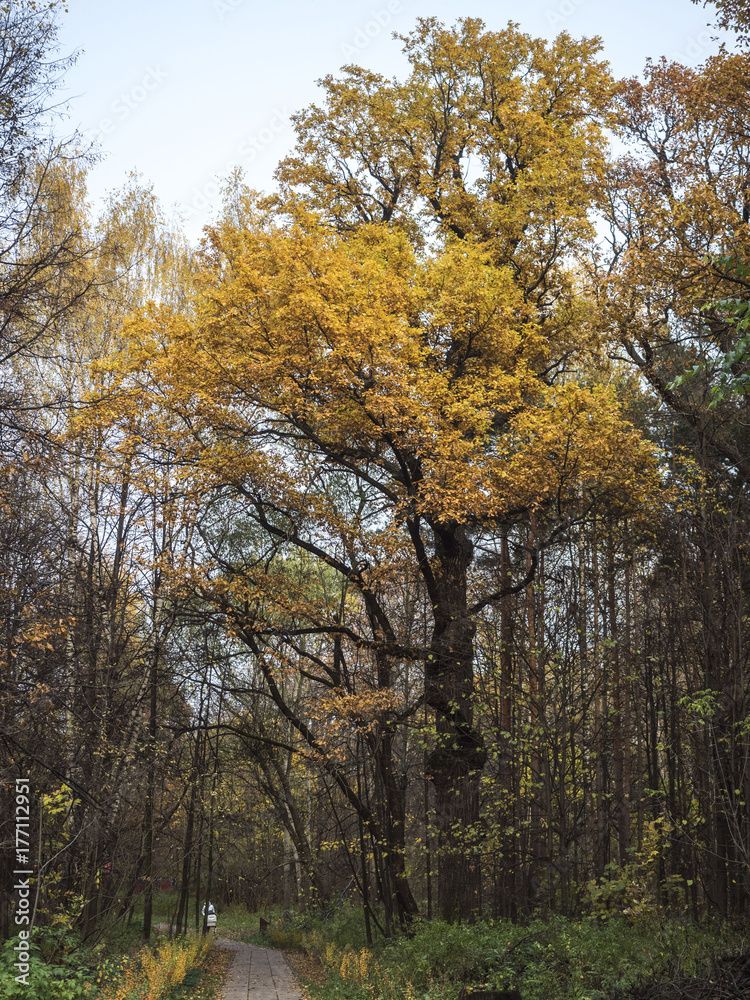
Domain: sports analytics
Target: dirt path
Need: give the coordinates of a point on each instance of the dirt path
(258, 974)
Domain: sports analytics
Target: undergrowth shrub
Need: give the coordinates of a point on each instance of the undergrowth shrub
(564, 959)
(44, 980)
(312, 931)
(151, 974)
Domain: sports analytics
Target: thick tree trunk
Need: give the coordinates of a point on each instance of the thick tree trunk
(456, 763)
(505, 737)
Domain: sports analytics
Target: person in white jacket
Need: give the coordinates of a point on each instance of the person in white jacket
(210, 917)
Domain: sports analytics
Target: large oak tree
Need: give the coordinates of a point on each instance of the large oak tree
(392, 362)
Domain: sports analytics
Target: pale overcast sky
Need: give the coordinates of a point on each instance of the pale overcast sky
(183, 89)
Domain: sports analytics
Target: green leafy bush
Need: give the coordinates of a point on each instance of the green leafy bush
(589, 959)
(44, 981)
